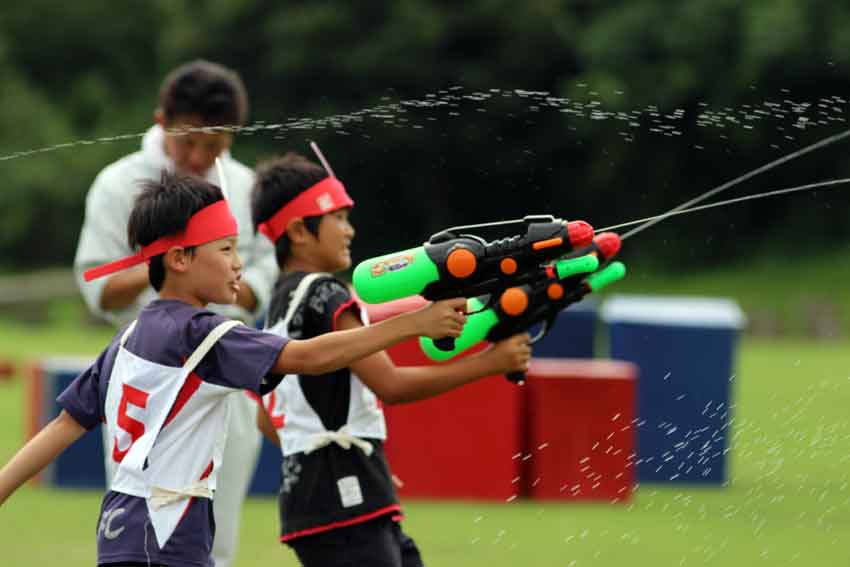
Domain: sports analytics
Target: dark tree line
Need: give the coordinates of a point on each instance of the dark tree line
(605, 111)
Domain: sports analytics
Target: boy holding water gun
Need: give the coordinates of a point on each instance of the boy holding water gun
(338, 504)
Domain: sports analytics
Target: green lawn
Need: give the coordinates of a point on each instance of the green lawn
(788, 502)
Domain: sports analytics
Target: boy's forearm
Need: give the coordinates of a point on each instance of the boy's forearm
(339, 349)
(38, 453)
(414, 383)
(260, 272)
(122, 289)
(266, 427)
(245, 298)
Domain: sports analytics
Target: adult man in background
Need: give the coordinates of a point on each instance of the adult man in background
(194, 99)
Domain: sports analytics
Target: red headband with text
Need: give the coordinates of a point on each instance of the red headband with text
(326, 196)
(210, 223)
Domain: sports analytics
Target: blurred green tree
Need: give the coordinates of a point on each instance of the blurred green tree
(625, 109)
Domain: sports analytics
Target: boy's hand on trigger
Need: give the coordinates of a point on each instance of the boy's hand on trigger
(511, 354)
(442, 318)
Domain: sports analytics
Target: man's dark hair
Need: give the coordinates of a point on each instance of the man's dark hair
(209, 90)
(164, 208)
(279, 181)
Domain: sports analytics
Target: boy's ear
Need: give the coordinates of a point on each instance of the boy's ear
(226, 141)
(297, 231)
(176, 259)
(159, 117)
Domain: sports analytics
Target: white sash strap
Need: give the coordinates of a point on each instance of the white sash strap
(130, 328)
(163, 496)
(342, 437)
(208, 344)
(203, 349)
(298, 296)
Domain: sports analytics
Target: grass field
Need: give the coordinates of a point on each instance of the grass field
(787, 503)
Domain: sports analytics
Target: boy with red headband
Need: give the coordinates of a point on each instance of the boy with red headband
(159, 387)
(337, 501)
(200, 105)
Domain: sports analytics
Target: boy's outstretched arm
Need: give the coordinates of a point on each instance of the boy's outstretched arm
(394, 385)
(39, 452)
(333, 351)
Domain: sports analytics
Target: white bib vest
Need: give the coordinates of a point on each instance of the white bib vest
(303, 430)
(165, 465)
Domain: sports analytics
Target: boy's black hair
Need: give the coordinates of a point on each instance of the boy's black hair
(279, 181)
(164, 208)
(209, 90)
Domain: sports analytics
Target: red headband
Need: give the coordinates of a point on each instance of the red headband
(210, 223)
(326, 196)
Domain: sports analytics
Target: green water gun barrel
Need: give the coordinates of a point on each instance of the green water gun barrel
(575, 266)
(613, 272)
(479, 324)
(474, 331)
(394, 276)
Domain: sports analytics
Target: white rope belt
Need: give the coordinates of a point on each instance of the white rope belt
(342, 438)
(164, 496)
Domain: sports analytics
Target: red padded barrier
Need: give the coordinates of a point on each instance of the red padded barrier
(464, 444)
(581, 429)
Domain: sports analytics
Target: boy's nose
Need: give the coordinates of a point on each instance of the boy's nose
(200, 161)
(237, 261)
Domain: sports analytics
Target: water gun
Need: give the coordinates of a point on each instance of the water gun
(547, 291)
(456, 263)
